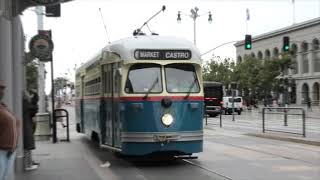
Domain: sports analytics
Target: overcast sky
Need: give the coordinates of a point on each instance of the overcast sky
(79, 33)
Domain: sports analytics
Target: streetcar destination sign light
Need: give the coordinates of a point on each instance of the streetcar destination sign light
(144, 54)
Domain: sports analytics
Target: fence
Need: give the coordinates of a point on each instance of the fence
(285, 111)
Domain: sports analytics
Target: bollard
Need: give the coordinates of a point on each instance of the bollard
(221, 118)
(285, 116)
(43, 130)
(263, 119)
(303, 123)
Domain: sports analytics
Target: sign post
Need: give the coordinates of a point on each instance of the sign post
(41, 47)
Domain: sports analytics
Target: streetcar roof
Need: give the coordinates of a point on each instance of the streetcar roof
(126, 47)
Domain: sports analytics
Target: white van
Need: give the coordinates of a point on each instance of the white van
(227, 104)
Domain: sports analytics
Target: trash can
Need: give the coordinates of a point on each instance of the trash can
(43, 130)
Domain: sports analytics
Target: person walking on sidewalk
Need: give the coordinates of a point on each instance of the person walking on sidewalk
(30, 109)
(9, 135)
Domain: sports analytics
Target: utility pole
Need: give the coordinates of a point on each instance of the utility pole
(41, 68)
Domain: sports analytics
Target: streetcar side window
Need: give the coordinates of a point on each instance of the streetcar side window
(181, 78)
(144, 78)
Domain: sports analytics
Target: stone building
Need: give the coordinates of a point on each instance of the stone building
(304, 75)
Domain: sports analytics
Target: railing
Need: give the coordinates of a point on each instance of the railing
(285, 112)
(209, 109)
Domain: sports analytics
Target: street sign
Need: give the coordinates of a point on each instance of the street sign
(41, 46)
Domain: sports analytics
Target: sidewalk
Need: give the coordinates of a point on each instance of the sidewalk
(61, 161)
(64, 160)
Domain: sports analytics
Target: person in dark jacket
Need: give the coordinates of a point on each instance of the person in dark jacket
(9, 135)
(30, 109)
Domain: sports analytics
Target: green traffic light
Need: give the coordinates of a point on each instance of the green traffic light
(248, 46)
(286, 47)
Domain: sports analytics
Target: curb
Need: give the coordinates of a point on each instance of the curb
(268, 136)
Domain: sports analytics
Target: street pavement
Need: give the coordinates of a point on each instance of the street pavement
(250, 123)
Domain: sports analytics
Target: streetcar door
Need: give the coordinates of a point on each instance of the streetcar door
(108, 105)
(116, 104)
(82, 106)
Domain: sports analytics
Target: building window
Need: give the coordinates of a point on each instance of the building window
(304, 47)
(315, 44)
(305, 61)
(260, 56)
(267, 54)
(294, 51)
(316, 55)
(275, 52)
(316, 93)
(304, 92)
(253, 55)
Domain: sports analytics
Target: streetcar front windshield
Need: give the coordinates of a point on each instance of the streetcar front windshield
(143, 78)
(181, 78)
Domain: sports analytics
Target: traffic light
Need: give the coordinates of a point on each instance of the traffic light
(247, 42)
(286, 44)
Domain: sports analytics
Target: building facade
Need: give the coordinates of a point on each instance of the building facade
(304, 75)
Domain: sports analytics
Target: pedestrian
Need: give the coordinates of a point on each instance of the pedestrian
(30, 109)
(9, 135)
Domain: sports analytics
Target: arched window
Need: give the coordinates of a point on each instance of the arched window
(304, 91)
(315, 44)
(252, 55)
(316, 55)
(294, 51)
(267, 54)
(275, 52)
(316, 93)
(305, 61)
(304, 47)
(260, 56)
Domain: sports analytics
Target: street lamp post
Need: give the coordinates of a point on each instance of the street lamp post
(194, 15)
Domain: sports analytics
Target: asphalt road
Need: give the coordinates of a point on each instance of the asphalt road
(228, 154)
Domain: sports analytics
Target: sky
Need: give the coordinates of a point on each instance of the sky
(79, 33)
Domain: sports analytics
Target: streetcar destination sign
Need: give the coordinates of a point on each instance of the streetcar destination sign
(144, 54)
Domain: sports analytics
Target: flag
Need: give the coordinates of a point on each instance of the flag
(248, 15)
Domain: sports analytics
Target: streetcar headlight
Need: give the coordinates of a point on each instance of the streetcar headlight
(167, 119)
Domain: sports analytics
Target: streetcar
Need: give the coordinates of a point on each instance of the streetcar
(143, 95)
(213, 94)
